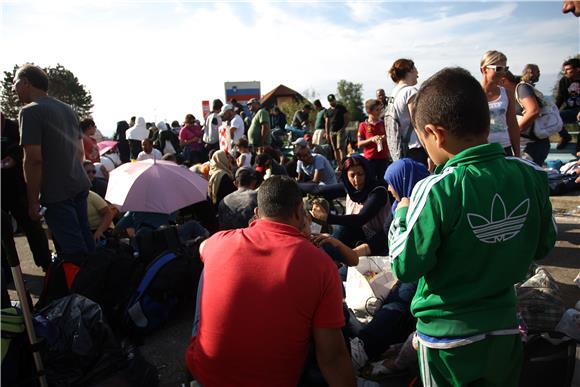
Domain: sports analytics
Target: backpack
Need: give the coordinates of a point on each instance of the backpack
(166, 280)
(549, 121)
(397, 143)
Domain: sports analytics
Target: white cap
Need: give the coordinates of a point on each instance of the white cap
(225, 108)
(301, 141)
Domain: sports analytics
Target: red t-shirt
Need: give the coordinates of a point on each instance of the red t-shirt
(264, 288)
(367, 130)
(91, 149)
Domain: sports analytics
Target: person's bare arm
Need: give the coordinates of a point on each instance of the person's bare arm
(363, 143)
(333, 358)
(512, 123)
(33, 177)
(531, 112)
(107, 216)
(317, 176)
(327, 132)
(81, 151)
(350, 257)
(264, 128)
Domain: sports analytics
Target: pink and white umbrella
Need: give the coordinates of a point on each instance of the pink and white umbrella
(105, 146)
(154, 186)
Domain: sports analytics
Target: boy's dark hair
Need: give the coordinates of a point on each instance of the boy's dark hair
(86, 123)
(574, 62)
(372, 104)
(400, 69)
(278, 197)
(454, 100)
(317, 103)
(307, 106)
(35, 76)
(243, 143)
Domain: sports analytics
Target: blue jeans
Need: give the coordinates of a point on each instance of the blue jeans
(392, 323)
(538, 150)
(68, 220)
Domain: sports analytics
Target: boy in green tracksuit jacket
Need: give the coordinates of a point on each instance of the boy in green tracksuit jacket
(468, 234)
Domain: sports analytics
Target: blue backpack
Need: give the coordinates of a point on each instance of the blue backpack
(166, 280)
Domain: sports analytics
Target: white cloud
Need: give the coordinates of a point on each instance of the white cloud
(160, 60)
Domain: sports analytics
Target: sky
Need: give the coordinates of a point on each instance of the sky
(160, 59)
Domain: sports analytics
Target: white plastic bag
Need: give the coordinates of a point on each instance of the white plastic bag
(368, 284)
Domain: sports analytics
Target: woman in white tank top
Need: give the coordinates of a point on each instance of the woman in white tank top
(503, 126)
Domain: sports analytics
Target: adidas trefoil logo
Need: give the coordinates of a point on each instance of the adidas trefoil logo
(500, 226)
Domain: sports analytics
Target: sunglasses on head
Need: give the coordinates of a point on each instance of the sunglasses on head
(498, 69)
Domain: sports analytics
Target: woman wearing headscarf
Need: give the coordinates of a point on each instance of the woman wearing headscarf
(135, 135)
(401, 177)
(503, 126)
(122, 143)
(366, 208)
(168, 141)
(221, 176)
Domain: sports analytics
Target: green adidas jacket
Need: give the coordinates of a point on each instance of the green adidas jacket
(469, 234)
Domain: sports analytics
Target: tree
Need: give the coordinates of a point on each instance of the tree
(62, 84)
(350, 94)
(9, 99)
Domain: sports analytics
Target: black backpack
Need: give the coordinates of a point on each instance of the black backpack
(169, 278)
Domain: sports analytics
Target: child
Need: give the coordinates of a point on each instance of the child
(245, 157)
(468, 234)
(371, 137)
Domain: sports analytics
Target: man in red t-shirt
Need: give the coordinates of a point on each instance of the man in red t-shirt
(267, 293)
(371, 137)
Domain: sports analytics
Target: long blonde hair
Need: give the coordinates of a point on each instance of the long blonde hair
(491, 57)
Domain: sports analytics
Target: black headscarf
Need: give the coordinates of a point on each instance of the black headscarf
(370, 181)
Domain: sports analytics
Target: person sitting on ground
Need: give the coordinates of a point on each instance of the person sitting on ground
(244, 160)
(221, 176)
(148, 152)
(393, 322)
(100, 215)
(313, 166)
(401, 177)
(237, 208)
(168, 141)
(267, 167)
(479, 204)
(372, 138)
(98, 185)
(269, 269)
(366, 208)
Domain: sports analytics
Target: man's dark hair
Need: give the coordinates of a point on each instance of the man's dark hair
(454, 100)
(278, 197)
(307, 106)
(35, 76)
(245, 177)
(217, 104)
(262, 159)
(86, 123)
(574, 62)
(317, 103)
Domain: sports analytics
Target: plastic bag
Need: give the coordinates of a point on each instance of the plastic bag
(368, 284)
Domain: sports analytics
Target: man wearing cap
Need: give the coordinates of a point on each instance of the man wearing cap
(212, 123)
(313, 165)
(301, 117)
(335, 126)
(259, 131)
(237, 208)
(232, 128)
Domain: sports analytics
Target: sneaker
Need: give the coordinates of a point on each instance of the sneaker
(564, 140)
(358, 354)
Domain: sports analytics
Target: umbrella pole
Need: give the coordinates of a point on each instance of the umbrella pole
(14, 262)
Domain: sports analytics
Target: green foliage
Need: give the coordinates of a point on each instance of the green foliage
(350, 94)
(63, 85)
(9, 100)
